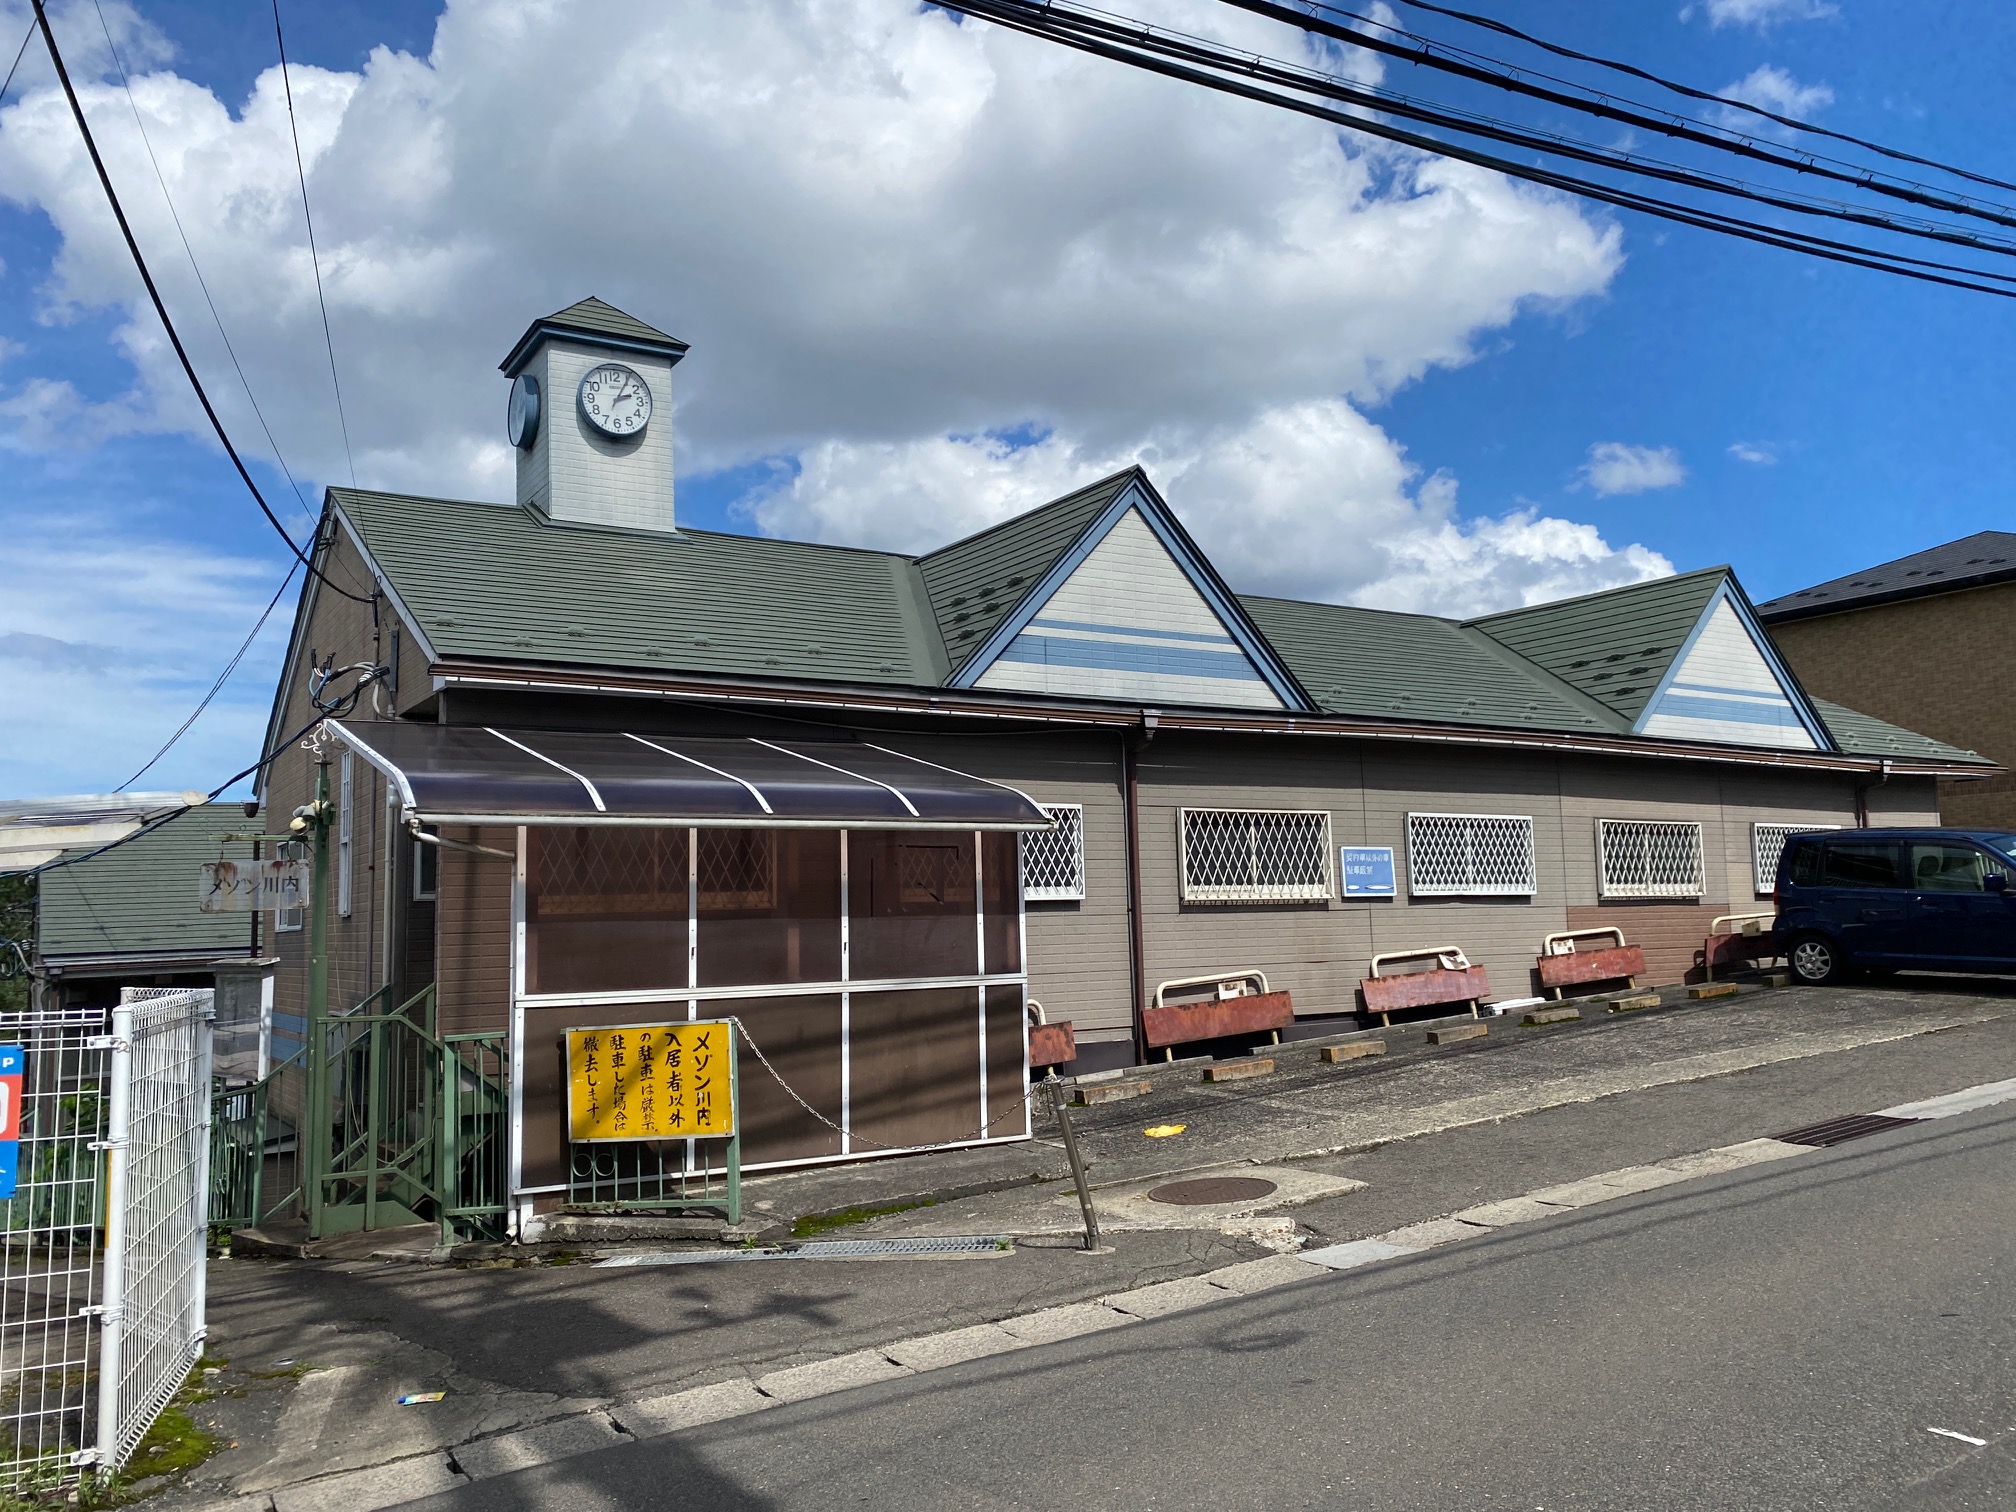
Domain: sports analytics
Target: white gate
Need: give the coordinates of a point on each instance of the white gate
(101, 1275)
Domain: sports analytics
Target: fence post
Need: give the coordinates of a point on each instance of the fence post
(450, 1177)
(204, 1027)
(112, 1311)
(313, 1133)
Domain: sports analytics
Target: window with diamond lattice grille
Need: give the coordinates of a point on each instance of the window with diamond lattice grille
(1255, 855)
(1053, 860)
(1644, 858)
(608, 872)
(1767, 844)
(1470, 855)
(928, 873)
(737, 870)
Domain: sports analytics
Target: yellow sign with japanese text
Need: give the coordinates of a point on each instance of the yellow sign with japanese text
(651, 1081)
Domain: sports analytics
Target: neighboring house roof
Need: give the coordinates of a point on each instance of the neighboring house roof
(1613, 646)
(139, 898)
(1974, 561)
(500, 583)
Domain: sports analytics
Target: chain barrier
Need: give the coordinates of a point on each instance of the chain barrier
(848, 1134)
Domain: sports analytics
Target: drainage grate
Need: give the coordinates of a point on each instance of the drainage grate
(1206, 1190)
(1840, 1130)
(823, 1249)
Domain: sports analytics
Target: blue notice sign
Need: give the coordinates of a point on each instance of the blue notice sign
(1366, 870)
(11, 1064)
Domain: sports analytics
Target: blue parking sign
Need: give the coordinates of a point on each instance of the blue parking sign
(1366, 871)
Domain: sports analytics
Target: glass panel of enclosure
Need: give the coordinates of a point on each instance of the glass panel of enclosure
(769, 907)
(911, 904)
(605, 909)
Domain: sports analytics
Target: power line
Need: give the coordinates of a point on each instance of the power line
(201, 282)
(1500, 75)
(161, 309)
(217, 686)
(19, 53)
(1041, 19)
(1056, 20)
(1688, 91)
(314, 257)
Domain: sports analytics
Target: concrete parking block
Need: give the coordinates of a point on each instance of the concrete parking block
(864, 1367)
(1512, 1210)
(368, 1490)
(1054, 1323)
(522, 1450)
(953, 1347)
(1226, 1071)
(1357, 1252)
(1436, 1231)
(1111, 1092)
(1457, 1032)
(1334, 1055)
(1251, 1276)
(689, 1409)
(1166, 1297)
(1734, 1157)
(1552, 1016)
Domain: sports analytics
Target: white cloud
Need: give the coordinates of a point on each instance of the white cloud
(1753, 453)
(1617, 467)
(1775, 90)
(1761, 14)
(880, 230)
(1307, 500)
(107, 640)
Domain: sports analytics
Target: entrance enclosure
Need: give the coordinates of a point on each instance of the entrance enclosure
(857, 912)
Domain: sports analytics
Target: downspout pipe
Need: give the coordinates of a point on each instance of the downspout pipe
(1864, 789)
(1132, 744)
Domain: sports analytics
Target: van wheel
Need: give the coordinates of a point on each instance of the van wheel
(1816, 961)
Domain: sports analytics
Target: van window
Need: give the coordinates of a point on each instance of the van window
(1805, 868)
(1944, 866)
(1860, 863)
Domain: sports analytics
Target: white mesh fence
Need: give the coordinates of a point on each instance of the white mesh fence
(155, 1231)
(1470, 855)
(1767, 844)
(1053, 860)
(1255, 855)
(1644, 858)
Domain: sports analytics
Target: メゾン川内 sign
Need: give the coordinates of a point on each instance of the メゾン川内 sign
(253, 886)
(651, 1081)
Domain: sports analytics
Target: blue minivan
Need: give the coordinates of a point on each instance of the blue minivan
(1890, 899)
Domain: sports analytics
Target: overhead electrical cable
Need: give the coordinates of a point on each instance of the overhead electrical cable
(1428, 54)
(1037, 18)
(161, 309)
(1688, 91)
(1216, 55)
(1061, 21)
(201, 282)
(19, 53)
(217, 686)
(314, 257)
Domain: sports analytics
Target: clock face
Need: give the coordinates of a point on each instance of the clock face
(521, 421)
(616, 401)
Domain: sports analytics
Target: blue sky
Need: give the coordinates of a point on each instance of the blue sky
(1874, 411)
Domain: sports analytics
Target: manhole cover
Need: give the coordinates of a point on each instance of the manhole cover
(1209, 1189)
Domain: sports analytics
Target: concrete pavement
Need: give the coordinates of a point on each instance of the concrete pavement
(520, 1348)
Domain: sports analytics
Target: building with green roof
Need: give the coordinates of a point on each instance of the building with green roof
(613, 770)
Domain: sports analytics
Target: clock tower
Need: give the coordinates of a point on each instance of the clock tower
(591, 417)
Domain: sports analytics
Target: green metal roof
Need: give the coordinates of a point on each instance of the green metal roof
(502, 583)
(1613, 646)
(498, 582)
(139, 899)
(1379, 664)
(1866, 735)
(593, 319)
(975, 583)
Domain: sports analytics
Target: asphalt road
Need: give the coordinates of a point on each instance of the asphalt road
(1782, 1337)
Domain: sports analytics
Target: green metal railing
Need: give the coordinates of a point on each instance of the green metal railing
(412, 1128)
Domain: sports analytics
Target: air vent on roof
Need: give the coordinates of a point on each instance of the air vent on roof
(1576, 666)
(1016, 581)
(958, 601)
(989, 608)
(446, 621)
(885, 667)
(813, 648)
(1614, 656)
(1639, 671)
(960, 619)
(773, 661)
(1601, 677)
(1996, 561)
(1621, 692)
(578, 632)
